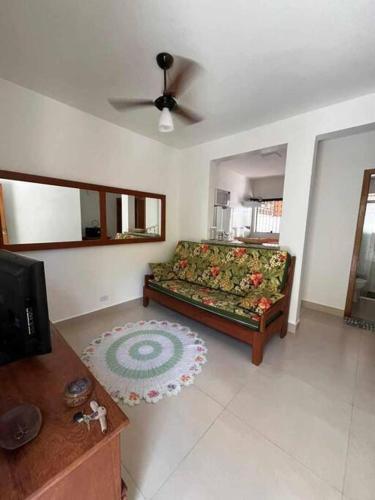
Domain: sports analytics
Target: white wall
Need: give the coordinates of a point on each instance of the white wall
(268, 187)
(36, 213)
(228, 180)
(42, 136)
(333, 216)
(300, 133)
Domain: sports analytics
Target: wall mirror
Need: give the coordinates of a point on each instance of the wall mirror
(41, 213)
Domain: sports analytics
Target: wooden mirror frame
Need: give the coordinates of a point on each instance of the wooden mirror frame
(358, 240)
(102, 190)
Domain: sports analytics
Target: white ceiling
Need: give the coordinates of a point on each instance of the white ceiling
(263, 59)
(257, 164)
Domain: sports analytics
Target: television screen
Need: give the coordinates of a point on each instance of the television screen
(24, 322)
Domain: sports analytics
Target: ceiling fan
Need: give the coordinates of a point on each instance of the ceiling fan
(167, 103)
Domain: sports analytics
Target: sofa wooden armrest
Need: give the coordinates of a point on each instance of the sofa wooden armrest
(272, 312)
(281, 307)
(148, 277)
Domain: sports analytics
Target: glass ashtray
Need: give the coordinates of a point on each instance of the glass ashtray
(19, 425)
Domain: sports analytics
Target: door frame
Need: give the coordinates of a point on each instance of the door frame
(4, 237)
(358, 240)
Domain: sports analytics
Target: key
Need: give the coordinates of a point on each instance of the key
(87, 420)
(99, 413)
(78, 417)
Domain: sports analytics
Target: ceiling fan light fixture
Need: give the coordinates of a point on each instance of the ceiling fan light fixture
(166, 102)
(166, 121)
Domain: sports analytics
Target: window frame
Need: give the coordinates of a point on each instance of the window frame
(255, 216)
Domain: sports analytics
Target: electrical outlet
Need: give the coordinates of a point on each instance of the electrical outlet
(104, 298)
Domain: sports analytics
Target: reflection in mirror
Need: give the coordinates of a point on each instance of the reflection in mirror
(90, 214)
(132, 217)
(43, 213)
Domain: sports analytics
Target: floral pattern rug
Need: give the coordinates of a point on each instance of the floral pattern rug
(145, 360)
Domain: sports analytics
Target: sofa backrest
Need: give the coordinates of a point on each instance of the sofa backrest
(235, 269)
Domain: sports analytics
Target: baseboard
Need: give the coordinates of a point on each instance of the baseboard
(95, 310)
(322, 308)
(293, 327)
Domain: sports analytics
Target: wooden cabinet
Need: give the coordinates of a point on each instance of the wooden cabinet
(66, 460)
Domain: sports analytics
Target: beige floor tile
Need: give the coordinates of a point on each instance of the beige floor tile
(160, 435)
(319, 361)
(364, 397)
(333, 377)
(327, 336)
(133, 491)
(323, 355)
(80, 331)
(299, 418)
(360, 475)
(229, 365)
(366, 357)
(364, 309)
(234, 462)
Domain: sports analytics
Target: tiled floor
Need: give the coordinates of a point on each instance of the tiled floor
(364, 308)
(300, 426)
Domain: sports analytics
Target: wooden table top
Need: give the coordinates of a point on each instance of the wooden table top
(61, 444)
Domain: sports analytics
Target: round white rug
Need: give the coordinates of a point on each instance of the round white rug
(145, 360)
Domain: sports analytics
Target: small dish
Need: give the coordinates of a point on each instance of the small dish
(78, 391)
(19, 425)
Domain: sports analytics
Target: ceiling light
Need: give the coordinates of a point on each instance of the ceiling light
(166, 122)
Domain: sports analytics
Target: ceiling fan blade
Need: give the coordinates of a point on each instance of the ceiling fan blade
(186, 114)
(186, 71)
(124, 104)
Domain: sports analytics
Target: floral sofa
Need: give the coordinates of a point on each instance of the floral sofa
(240, 290)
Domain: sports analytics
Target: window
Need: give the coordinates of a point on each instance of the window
(241, 217)
(268, 216)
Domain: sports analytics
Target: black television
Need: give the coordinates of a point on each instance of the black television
(24, 321)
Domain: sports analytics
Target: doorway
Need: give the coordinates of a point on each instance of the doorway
(246, 193)
(3, 226)
(360, 300)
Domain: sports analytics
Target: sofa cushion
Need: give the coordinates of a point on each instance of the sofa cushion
(245, 310)
(233, 269)
(163, 271)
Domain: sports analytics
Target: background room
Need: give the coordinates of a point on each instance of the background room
(341, 160)
(246, 196)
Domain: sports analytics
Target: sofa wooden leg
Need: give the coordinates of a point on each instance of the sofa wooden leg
(146, 301)
(284, 330)
(257, 351)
